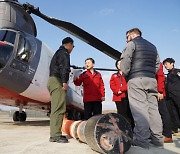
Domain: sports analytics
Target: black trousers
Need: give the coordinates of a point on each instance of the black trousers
(92, 108)
(174, 113)
(167, 129)
(176, 100)
(124, 110)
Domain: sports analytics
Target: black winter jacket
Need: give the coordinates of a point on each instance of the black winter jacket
(60, 65)
(173, 83)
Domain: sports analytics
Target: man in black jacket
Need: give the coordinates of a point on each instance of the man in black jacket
(140, 62)
(57, 86)
(173, 92)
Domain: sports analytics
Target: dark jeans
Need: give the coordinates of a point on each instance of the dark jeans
(92, 108)
(124, 110)
(167, 131)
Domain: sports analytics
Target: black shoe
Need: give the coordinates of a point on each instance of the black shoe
(58, 139)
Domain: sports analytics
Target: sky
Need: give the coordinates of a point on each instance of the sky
(159, 21)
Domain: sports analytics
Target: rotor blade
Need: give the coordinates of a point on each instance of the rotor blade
(80, 33)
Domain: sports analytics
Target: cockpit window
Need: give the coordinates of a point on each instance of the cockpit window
(5, 53)
(21, 54)
(7, 39)
(25, 48)
(7, 36)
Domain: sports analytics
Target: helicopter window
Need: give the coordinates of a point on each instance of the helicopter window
(24, 49)
(7, 36)
(5, 53)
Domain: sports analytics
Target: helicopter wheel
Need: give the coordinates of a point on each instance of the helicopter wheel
(19, 116)
(16, 116)
(22, 116)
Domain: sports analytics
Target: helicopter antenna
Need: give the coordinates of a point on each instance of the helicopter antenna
(101, 69)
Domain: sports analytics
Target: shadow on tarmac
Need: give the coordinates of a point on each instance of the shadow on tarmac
(30, 123)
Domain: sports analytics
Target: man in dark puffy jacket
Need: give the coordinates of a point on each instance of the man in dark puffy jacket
(140, 62)
(57, 86)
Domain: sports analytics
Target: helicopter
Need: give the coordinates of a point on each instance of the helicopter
(25, 60)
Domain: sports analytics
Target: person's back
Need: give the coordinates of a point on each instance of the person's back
(140, 62)
(144, 59)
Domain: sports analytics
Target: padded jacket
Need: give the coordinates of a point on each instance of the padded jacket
(93, 86)
(118, 82)
(60, 65)
(161, 80)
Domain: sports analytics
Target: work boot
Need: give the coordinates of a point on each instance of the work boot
(168, 140)
(58, 139)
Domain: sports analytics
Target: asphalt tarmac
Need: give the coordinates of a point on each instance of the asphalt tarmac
(31, 137)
